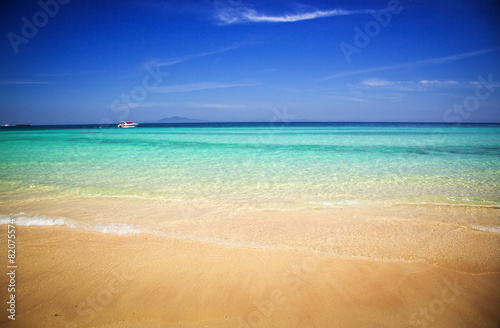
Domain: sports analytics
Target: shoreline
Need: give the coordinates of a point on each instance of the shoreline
(459, 238)
(77, 278)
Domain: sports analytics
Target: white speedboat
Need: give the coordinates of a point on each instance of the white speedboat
(127, 124)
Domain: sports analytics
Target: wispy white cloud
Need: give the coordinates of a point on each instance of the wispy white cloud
(44, 78)
(220, 106)
(418, 63)
(358, 96)
(376, 82)
(253, 16)
(64, 74)
(408, 85)
(392, 96)
(189, 87)
(241, 14)
(139, 105)
(437, 82)
(355, 99)
(475, 84)
(179, 60)
(23, 82)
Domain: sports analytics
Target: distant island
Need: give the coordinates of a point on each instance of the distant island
(179, 119)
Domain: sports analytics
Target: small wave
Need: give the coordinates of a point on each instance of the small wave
(472, 200)
(489, 229)
(336, 203)
(112, 228)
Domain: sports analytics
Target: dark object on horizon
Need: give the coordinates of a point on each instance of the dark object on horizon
(178, 119)
(23, 124)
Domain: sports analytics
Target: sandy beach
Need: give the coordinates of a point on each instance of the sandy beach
(70, 277)
(235, 226)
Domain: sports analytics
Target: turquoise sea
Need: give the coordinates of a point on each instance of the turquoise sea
(258, 164)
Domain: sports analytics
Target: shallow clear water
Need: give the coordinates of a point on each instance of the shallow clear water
(258, 164)
(377, 191)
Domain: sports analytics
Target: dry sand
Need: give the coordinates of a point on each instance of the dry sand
(76, 278)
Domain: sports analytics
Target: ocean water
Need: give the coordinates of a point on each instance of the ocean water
(258, 165)
(397, 192)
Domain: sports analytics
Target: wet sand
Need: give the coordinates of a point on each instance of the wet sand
(76, 278)
(461, 238)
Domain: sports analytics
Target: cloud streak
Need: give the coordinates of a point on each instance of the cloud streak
(237, 15)
(418, 63)
(23, 82)
(376, 82)
(408, 85)
(190, 57)
(140, 105)
(202, 86)
(220, 106)
(437, 82)
(385, 83)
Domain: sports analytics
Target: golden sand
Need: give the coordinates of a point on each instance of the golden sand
(73, 278)
(258, 269)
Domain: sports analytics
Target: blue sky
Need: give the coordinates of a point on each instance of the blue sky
(77, 61)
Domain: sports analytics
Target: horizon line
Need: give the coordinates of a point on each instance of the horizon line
(251, 122)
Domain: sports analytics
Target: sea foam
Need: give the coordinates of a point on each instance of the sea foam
(488, 229)
(112, 228)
